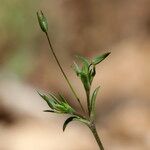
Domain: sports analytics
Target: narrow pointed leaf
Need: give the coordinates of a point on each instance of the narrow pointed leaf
(68, 121)
(93, 99)
(85, 68)
(100, 58)
(86, 63)
(83, 59)
(76, 68)
(47, 99)
(85, 80)
(54, 98)
(62, 98)
(53, 111)
(83, 76)
(68, 108)
(49, 111)
(60, 108)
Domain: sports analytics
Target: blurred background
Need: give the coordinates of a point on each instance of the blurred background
(83, 27)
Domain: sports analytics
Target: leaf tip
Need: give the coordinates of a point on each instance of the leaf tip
(106, 54)
(67, 122)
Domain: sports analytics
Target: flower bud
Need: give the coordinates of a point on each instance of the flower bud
(42, 21)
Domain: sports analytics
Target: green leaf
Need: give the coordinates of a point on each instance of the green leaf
(54, 98)
(76, 68)
(68, 121)
(47, 99)
(86, 63)
(49, 111)
(100, 58)
(53, 111)
(62, 98)
(85, 80)
(84, 76)
(83, 73)
(68, 108)
(75, 118)
(60, 108)
(93, 99)
(85, 69)
(57, 106)
(83, 59)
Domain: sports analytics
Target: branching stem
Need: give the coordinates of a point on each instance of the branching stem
(92, 121)
(96, 136)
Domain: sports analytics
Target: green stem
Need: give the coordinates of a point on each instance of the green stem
(65, 76)
(96, 136)
(88, 100)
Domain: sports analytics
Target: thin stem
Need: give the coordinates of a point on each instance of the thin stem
(65, 76)
(97, 138)
(88, 100)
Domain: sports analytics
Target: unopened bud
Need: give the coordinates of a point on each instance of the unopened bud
(42, 21)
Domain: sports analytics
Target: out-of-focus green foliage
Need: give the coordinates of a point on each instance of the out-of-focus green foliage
(17, 32)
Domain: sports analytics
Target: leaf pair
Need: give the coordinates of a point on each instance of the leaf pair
(88, 71)
(57, 105)
(83, 73)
